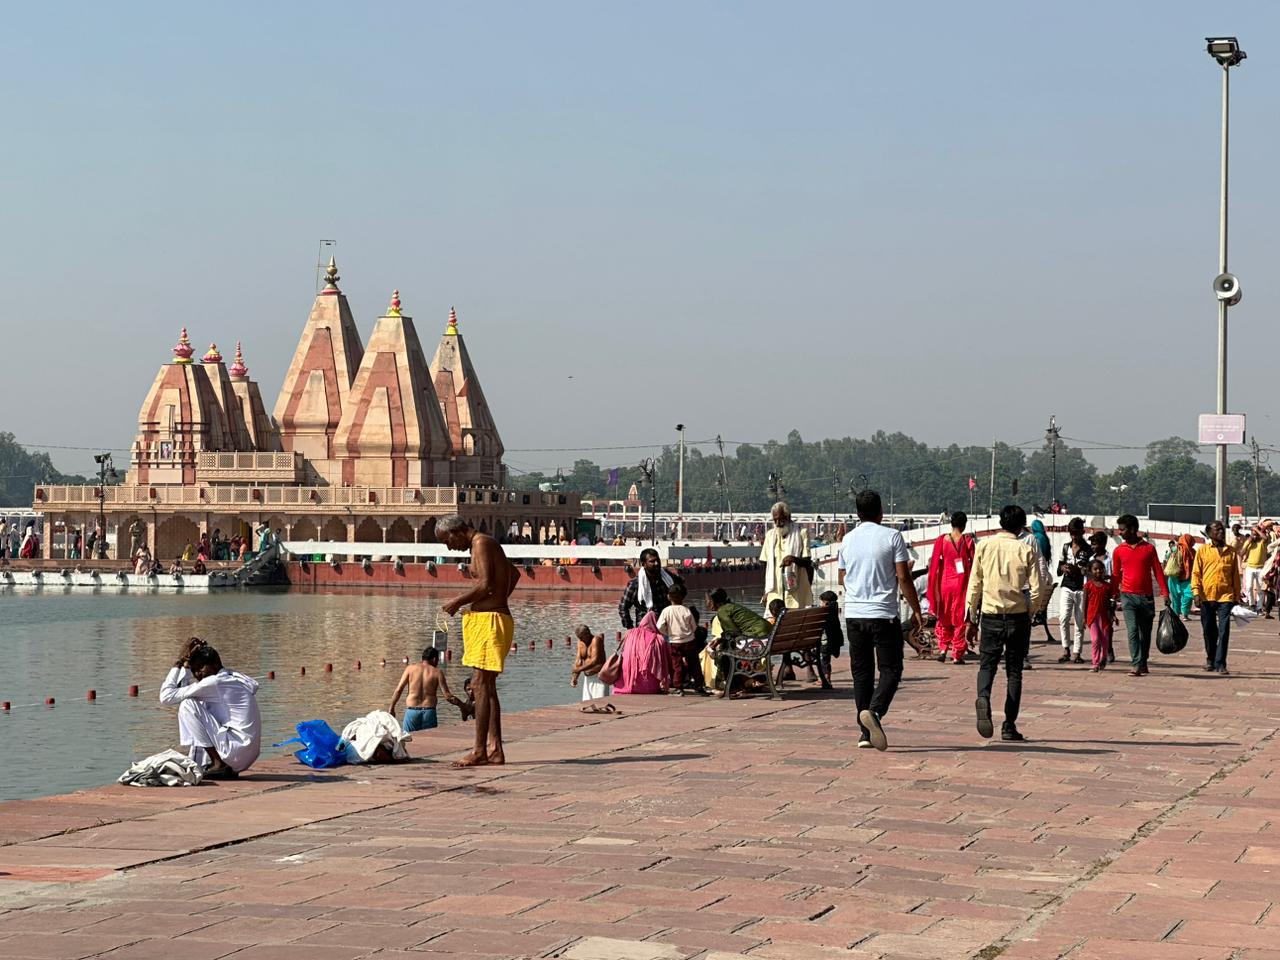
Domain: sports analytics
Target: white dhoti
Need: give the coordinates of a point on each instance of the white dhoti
(200, 730)
(218, 713)
(593, 688)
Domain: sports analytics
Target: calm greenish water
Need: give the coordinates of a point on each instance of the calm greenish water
(61, 644)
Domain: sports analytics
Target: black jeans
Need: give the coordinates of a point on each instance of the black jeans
(1215, 621)
(1139, 613)
(875, 643)
(1007, 635)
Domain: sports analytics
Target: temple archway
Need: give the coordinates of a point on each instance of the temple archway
(172, 536)
(305, 529)
(400, 531)
(124, 538)
(369, 531)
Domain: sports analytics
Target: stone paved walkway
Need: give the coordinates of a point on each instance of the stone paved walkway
(1140, 822)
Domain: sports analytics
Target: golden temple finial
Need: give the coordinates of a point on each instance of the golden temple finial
(452, 329)
(331, 275)
(212, 356)
(238, 370)
(182, 352)
(394, 309)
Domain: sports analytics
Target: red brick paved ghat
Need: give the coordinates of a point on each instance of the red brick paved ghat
(1140, 821)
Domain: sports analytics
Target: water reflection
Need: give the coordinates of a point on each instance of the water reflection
(62, 645)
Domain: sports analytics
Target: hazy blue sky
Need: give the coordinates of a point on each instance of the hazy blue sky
(946, 219)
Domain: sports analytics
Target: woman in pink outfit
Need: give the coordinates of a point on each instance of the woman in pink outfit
(646, 664)
(948, 585)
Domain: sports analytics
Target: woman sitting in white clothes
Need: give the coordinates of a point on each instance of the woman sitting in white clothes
(217, 711)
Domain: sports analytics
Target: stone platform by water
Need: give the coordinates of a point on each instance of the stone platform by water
(1140, 821)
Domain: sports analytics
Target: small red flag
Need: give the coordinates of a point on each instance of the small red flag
(972, 483)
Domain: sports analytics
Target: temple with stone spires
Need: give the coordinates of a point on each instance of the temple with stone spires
(365, 443)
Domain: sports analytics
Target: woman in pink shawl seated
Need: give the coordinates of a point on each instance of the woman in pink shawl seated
(646, 663)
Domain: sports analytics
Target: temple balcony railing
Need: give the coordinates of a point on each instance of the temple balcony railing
(198, 497)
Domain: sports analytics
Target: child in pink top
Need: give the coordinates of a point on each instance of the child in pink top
(1099, 605)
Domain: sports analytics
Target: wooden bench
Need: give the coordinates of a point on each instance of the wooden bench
(798, 631)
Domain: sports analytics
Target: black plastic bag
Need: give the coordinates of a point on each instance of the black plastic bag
(1171, 632)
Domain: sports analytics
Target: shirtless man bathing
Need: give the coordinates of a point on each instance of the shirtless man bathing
(424, 682)
(487, 629)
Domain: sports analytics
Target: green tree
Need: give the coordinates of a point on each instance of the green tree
(21, 470)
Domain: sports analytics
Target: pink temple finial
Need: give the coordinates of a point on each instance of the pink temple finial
(238, 369)
(182, 352)
(452, 329)
(213, 356)
(395, 304)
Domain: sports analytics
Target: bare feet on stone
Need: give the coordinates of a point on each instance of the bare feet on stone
(472, 759)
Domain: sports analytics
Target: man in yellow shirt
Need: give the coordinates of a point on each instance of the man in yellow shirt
(1215, 584)
(1006, 587)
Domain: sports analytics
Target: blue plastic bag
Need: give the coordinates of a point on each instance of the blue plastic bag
(321, 747)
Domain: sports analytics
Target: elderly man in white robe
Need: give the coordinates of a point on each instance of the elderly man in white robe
(788, 571)
(217, 711)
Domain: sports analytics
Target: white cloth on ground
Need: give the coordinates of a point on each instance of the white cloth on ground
(169, 768)
(218, 712)
(644, 588)
(593, 688)
(364, 735)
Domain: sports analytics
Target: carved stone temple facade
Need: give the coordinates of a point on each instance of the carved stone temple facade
(365, 443)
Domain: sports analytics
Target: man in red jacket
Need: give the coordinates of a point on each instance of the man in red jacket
(1135, 567)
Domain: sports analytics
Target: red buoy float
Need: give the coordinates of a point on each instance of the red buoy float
(328, 668)
(302, 671)
(271, 674)
(133, 690)
(48, 702)
(92, 695)
(357, 664)
(5, 706)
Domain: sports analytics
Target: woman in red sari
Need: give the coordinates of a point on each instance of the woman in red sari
(949, 569)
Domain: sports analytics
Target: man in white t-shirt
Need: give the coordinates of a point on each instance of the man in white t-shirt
(875, 566)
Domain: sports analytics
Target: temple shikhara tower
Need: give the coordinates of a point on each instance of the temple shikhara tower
(365, 444)
(318, 384)
(477, 448)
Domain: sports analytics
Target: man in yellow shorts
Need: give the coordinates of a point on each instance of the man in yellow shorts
(487, 629)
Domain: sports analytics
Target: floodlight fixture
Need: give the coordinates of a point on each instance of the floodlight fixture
(1226, 50)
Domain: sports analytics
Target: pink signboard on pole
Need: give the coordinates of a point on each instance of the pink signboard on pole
(1222, 428)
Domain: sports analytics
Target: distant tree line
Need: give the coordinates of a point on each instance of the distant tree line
(21, 470)
(822, 476)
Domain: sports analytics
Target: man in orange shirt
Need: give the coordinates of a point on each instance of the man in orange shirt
(1215, 584)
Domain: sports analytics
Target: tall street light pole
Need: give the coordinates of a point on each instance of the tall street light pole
(105, 468)
(1052, 436)
(1226, 51)
(648, 469)
(680, 486)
